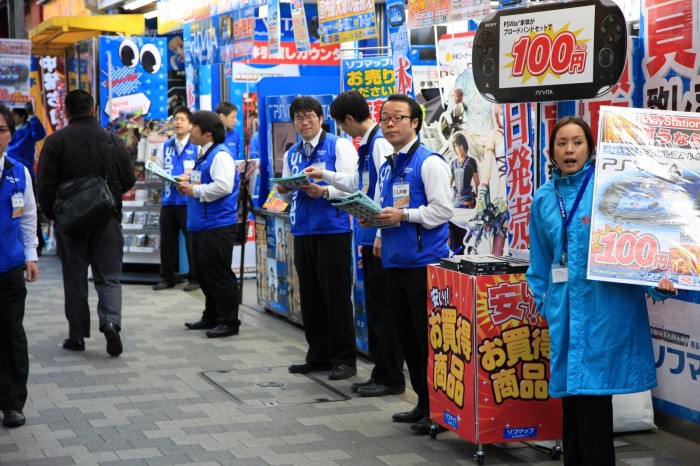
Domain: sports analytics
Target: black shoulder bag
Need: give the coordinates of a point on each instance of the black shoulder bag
(86, 203)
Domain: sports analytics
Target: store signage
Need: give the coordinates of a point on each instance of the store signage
(15, 63)
(346, 20)
(373, 77)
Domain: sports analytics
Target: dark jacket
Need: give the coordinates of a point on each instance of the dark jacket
(77, 150)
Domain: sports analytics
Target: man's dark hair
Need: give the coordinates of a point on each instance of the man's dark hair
(7, 113)
(350, 103)
(305, 104)
(209, 122)
(414, 108)
(226, 108)
(20, 112)
(460, 139)
(79, 102)
(182, 109)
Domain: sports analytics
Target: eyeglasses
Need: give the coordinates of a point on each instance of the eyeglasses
(395, 118)
(308, 118)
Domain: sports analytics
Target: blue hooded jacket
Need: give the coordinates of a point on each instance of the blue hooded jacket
(600, 336)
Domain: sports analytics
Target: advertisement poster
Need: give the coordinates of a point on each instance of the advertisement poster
(488, 362)
(133, 76)
(645, 223)
(301, 32)
(15, 56)
(425, 13)
(520, 172)
(373, 77)
(346, 20)
(398, 37)
(273, 26)
(52, 80)
(244, 28)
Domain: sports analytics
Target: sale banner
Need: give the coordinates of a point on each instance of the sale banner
(373, 77)
(645, 223)
(488, 365)
(346, 20)
(301, 31)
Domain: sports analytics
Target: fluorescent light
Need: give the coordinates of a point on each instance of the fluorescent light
(150, 14)
(136, 4)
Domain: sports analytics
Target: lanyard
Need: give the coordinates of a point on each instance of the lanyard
(401, 171)
(566, 220)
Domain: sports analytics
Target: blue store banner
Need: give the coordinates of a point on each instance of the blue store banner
(398, 36)
(133, 78)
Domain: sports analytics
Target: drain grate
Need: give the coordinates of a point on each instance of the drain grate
(260, 387)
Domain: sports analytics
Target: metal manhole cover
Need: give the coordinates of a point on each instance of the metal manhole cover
(272, 386)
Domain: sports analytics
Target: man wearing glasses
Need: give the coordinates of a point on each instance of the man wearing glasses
(417, 194)
(322, 245)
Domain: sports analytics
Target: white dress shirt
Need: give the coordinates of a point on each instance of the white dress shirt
(222, 172)
(27, 223)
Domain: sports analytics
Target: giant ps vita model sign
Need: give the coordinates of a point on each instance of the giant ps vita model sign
(556, 51)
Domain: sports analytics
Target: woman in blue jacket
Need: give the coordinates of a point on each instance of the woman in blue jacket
(600, 336)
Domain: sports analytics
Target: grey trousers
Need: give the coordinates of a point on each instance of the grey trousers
(102, 250)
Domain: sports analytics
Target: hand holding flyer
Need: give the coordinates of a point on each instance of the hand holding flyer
(358, 204)
(292, 182)
(160, 173)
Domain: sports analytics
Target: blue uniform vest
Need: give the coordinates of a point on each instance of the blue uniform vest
(411, 245)
(233, 142)
(315, 216)
(174, 165)
(365, 236)
(11, 238)
(202, 216)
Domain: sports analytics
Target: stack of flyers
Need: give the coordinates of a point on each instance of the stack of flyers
(361, 206)
(156, 170)
(292, 182)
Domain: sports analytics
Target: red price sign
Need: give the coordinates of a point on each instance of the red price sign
(629, 249)
(541, 53)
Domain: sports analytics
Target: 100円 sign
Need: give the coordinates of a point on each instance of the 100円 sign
(645, 223)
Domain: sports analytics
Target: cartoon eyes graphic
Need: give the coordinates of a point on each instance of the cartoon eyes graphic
(149, 56)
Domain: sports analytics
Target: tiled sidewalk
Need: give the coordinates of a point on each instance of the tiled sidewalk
(177, 397)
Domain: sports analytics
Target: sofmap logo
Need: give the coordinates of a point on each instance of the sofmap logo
(12, 179)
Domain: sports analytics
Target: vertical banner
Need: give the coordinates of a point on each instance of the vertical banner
(52, 80)
(488, 363)
(372, 77)
(15, 55)
(273, 26)
(346, 20)
(398, 36)
(671, 63)
(176, 72)
(301, 33)
(244, 28)
(133, 78)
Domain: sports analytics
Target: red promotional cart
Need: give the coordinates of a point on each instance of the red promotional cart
(488, 366)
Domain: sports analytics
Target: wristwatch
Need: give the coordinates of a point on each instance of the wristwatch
(405, 215)
(325, 192)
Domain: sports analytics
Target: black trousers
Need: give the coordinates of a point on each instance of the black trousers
(173, 220)
(588, 430)
(14, 357)
(323, 263)
(384, 346)
(103, 251)
(406, 292)
(212, 253)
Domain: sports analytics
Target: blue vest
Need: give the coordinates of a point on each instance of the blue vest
(315, 216)
(11, 238)
(233, 142)
(366, 236)
(411, 245)
(202, 216)
(174, 165)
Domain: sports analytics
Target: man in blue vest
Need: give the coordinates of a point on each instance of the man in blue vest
(212, 215)
(178, 158)
(228, 113)
(350, 110)
(18, 257)
(322, 245)
(417, 194)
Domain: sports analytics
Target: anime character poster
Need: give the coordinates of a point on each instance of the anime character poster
(133, 76)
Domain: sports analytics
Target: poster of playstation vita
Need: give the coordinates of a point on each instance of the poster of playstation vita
(645, 222)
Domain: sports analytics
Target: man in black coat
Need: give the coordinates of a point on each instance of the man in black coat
(83, 148)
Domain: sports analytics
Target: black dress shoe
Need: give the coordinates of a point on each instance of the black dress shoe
(377, 389)
(306, 367)
(424, 425)
(13, 418)
(354, 387)
(114, 343)
(191, 286)
(415, 415)
(163, 286)
(222, 330)
(74, 345)
(200, 325)
(342, 372)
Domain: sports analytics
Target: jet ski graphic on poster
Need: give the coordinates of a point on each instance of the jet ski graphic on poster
(133, 78)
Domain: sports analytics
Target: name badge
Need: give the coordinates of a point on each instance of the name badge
(196, 177)
(188, 166)
(365, 181)
(320, 165)
(560, 273)
(401, 194)
(17, 205)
